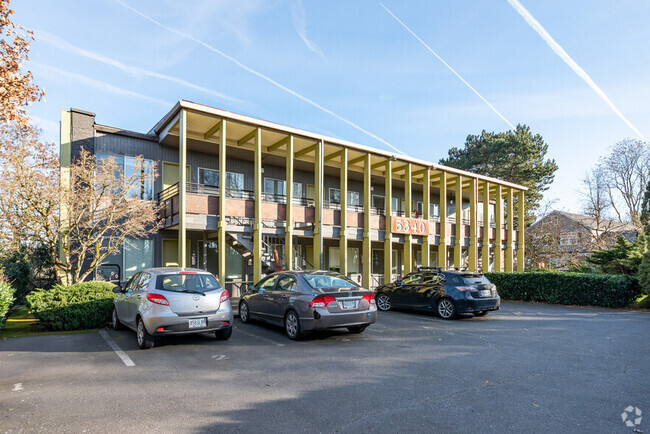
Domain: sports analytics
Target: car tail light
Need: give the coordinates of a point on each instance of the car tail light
(187, 272)
(321, 301)
(465, 288)
(160, 329)
(157, 298)
(370, 298)
(224, 296)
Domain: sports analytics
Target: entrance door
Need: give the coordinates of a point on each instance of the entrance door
(170, 174)
(170, 252)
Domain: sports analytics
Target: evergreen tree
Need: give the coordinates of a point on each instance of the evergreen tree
(645, 210)
(644, 273)
(623, 258)
(516, 156)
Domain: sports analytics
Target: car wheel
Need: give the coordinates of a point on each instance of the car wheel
(481, 313)
(446, 308)
(244, 314)
(292, 325)
(115, 321)
(145, 340)
(223, 334)
(357, 329)
(383, 302)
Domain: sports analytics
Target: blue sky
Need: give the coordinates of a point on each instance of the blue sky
(357, 61)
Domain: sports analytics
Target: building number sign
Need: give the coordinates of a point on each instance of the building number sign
(405, 225)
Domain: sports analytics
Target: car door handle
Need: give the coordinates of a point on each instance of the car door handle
(139, 296)
(284, 296)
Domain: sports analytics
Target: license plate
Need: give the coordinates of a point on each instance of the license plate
(485, 293)
(349, 304)
(197, 323)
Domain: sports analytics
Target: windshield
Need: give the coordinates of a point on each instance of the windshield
(324, 281)
(475, 279)
(187, 282)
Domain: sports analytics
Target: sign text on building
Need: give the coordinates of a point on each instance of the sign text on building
(405, 225)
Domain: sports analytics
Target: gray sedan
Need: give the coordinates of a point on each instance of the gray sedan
(302, 301)
(171, 301)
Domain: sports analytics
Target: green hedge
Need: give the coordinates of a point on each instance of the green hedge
(6, 299)
(80, 306)
(568, 288)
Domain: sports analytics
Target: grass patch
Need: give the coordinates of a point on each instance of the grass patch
(643, 302)
(22, 324)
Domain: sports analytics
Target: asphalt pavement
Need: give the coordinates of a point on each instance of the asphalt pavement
(527, 367)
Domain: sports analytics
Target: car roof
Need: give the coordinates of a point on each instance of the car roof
(168, 270)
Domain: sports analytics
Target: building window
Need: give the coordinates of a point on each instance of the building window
(274, 186)
(353, 197)
(142, 190)
(138, 254)
(335, 260)
(419, 208)
(297, 189)
(434, 210)
(210, 177)
(395, 204)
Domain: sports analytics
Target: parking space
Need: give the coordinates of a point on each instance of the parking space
(547, 368)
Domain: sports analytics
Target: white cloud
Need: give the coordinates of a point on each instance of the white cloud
(300, 24)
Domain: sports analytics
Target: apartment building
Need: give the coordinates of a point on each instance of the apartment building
(255, 197)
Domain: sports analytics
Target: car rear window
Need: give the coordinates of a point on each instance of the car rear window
(474, 279)
(320, 281)
(187, 282)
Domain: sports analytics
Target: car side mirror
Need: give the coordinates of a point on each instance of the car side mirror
(399, 283)
(117, 289)
(251, 288)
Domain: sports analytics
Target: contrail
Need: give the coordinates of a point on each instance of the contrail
(131, 70)
(557, 49)
(449, 67)
(259, 74)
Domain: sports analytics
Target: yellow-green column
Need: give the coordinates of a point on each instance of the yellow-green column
(388, 243)
(458, 246)
(318, 212)
(221, 228)
(426, 200)
(367, 240)
(510, 232)
(498, 242)
(257, 189)
(343, 237)
(485, 253)
(408, 212)
(182, 189)
(288, 231)
(442, 244)
(473, 224)
(65, 161)
(521, 238)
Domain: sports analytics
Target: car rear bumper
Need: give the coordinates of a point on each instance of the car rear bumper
(173, 324)
(472, 305)
(326, 320)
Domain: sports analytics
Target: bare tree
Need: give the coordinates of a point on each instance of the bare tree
(104, 209)
(597, 205)
(88, 220)
(627, 169)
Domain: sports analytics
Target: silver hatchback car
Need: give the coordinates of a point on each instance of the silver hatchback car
(172, 301)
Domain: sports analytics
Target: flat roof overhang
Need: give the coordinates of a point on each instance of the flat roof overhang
(203, 136)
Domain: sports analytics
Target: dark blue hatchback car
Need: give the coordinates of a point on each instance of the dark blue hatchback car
(445, 292)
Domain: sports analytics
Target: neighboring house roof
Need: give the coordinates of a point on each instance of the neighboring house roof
(590, 223)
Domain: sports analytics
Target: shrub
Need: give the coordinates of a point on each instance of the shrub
(80, 306)
(6, 299)
(568, 288)
(644, 273)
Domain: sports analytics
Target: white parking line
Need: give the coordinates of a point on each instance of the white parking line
(270, 341)
(121, 354)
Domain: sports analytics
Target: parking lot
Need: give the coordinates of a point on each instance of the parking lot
(525, 367)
